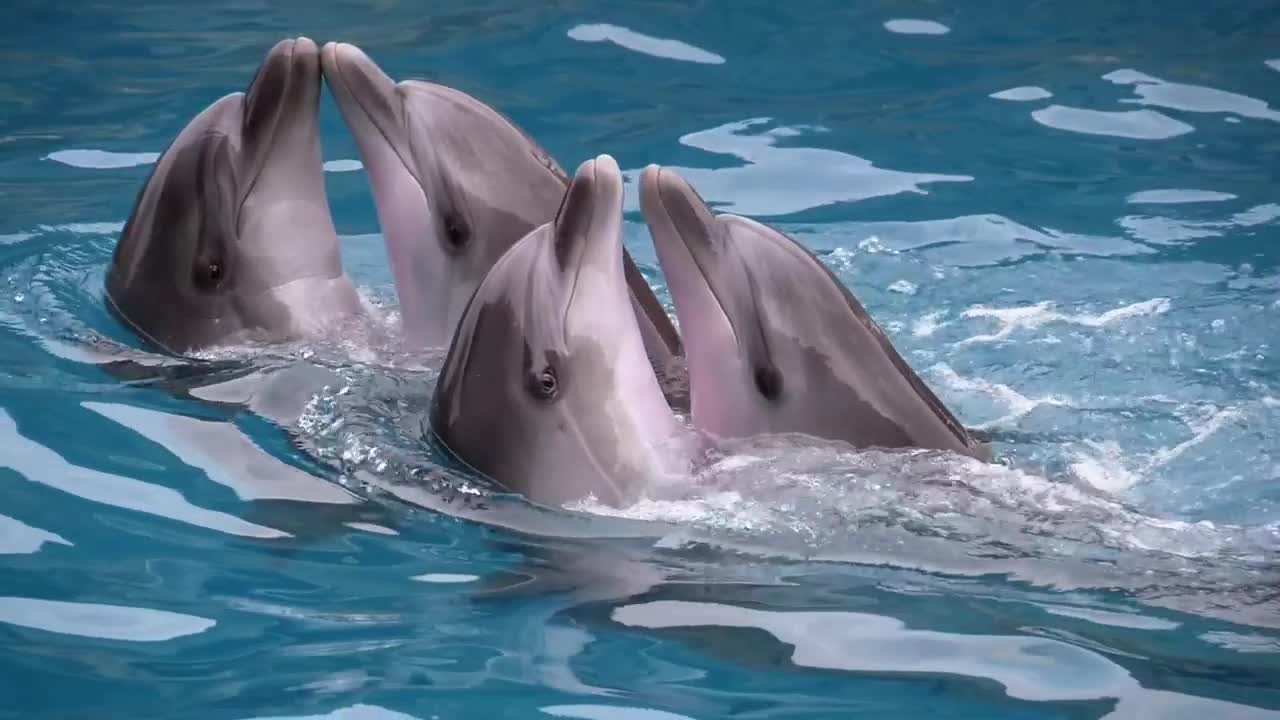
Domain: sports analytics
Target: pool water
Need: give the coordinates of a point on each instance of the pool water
(1065, 215)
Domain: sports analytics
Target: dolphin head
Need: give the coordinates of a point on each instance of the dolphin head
(546, 388)
(775, 342)
(231, 234)
(455, 185)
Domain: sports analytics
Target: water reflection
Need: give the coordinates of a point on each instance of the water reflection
(102, 159)
(647, 44)
(907, 26)
(781, 180)
(1175, 196)
(1031, 668)
(1190, 98)
(94, 620)
(1022, 94)
(39, 464)
(19, 538)
(359, 711)
(1133, 124)
(225, 454)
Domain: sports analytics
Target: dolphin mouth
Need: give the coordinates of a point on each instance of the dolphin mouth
(366, 95)
(673, 211)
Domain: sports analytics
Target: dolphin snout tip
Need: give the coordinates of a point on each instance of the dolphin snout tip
(606, 162)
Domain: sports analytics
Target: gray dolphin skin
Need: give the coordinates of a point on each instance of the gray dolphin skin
(231, 238)
(455, 184)
(775, 343)
(546, 388)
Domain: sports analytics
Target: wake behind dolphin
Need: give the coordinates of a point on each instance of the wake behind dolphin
(231, 237)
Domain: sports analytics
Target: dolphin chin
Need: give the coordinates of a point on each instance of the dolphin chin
(775, 342)
(456, 184)
(230, 237)
(546, 388)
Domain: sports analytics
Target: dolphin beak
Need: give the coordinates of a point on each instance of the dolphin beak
(367, 97)
(285, 92)
(688, 238)
(684, 231)
(588, 226)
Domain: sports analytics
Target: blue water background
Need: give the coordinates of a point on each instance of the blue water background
(1064, 214)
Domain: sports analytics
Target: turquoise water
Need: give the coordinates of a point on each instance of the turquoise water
(1064, 214)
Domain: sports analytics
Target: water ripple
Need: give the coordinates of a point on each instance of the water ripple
(19, 538)
(95, 620)
(647, 44)
(783, 179)
(1029, 668)
(908, 26)
(1134, 124)
(1022, 94)
(1189, 98)
(39, 464)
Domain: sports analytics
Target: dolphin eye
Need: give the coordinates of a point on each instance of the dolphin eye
(769, 382)
(544, 384)
(209, 274)
(455, 232)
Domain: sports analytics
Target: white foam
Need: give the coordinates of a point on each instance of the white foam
(1030, 317)
(445, 578)
(1104, 467)
(1189, 98)
(647, 44)
(86, 228)
(904, 287)
(19, 538)
(94, 620)
(781, 180)
(342, 165)
(1175, 195)
(102, 159)
(1273, 64)
(610, 712)
(1134, 124)
(1026, 93)
(1201, 430)
(907, 26)
(927, 324)
(1017, 404)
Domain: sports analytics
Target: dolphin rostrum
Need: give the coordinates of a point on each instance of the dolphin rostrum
(775, 343)
(230, 238)
(546, 388)
(455, 184)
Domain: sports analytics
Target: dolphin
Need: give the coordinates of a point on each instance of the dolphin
(456, 184)
(230, 238)
(546, 388)
(775, 343)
